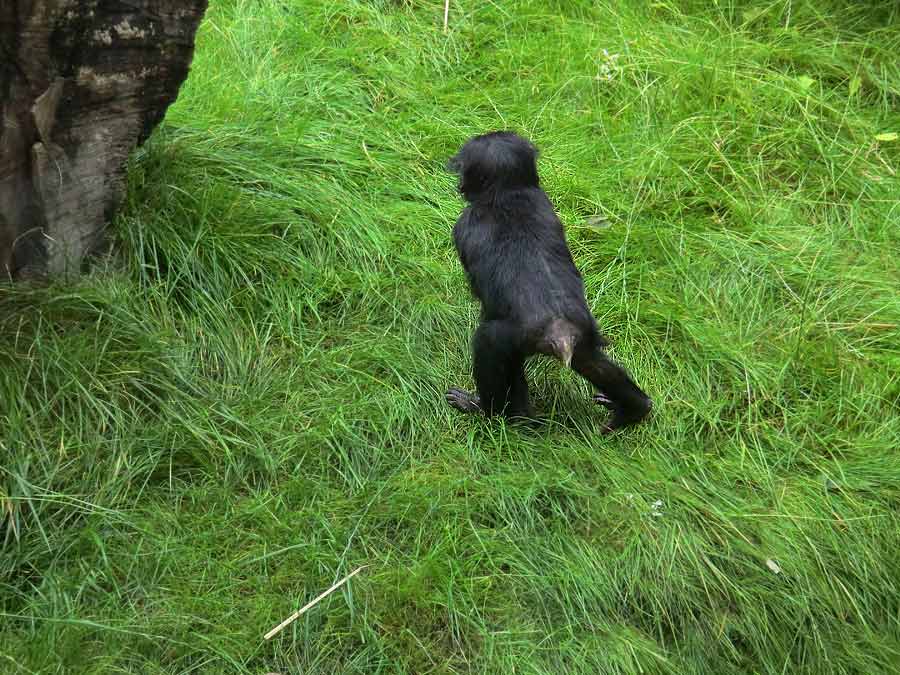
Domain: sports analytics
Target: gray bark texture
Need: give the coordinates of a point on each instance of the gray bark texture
(82, 82)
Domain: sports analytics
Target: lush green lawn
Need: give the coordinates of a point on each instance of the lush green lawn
(246, 403)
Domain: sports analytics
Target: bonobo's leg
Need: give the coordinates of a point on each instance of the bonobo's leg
(616, 390)
(499, 374)
(519, 405)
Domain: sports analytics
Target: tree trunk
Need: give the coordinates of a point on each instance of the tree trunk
(82, 82)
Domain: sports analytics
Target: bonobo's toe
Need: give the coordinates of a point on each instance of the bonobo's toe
(463, 400)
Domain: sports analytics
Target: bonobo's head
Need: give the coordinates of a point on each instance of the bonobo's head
(491, 163)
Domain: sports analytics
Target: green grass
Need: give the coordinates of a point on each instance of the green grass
(245, 402)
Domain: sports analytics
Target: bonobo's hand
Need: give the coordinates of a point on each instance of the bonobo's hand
(604, 400)
(619, 418)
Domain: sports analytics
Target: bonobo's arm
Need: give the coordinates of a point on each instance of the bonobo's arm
(466, 240)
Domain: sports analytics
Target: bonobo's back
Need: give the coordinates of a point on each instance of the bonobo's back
(510, 241)
(514, 251)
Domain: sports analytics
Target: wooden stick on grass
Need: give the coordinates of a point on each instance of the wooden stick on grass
(312, 603)
(446, 14)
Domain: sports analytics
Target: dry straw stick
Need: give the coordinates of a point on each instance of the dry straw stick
(446, 14)
(312, 603)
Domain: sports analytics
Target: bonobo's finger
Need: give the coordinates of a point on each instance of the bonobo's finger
(613, 423)
(604, 400)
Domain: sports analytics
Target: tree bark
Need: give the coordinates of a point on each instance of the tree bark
(82, 82)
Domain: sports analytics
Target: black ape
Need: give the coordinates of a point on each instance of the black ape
(514, 251)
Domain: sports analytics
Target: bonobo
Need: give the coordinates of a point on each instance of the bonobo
(513, 249)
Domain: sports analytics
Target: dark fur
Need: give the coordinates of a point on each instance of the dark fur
(513, 249)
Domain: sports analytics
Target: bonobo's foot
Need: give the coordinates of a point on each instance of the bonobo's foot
(463, 400)
(619, 417)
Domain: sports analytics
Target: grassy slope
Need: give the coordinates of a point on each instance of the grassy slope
(247, 404)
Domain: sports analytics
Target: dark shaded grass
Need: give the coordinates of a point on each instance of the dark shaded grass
(245, 403)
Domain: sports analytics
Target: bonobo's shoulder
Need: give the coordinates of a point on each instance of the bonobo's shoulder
(478, 217)
(465, 218)
(542, 201)
(467, 231)
(463, 222)
(534, 201)
(542, 215)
